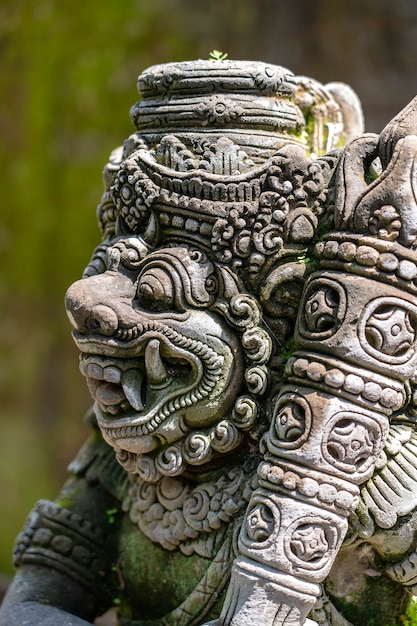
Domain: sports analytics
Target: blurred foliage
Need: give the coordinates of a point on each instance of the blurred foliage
(64, 103)
(66, 86)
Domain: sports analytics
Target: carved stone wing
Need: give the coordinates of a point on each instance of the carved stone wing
(392, 491)
(356, 340)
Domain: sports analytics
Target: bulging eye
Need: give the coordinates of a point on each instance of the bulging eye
(155, 291)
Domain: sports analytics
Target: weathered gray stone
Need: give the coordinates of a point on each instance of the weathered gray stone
(247, 330)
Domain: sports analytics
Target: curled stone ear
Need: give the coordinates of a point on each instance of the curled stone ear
(351, 177)
(403, 124)
(347, 99)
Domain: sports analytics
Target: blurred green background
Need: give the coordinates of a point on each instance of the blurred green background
(67, 82)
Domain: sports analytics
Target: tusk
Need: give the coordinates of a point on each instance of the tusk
(156, 372)
(132, 387)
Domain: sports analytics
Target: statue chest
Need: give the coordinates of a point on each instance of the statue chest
(175, 551)
(158, 586)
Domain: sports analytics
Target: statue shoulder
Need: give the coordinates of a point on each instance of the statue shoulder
(96, 465)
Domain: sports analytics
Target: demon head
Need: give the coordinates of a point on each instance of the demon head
(208, 215)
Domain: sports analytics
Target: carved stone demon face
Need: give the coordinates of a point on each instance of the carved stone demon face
(207, 210)
(157, 360)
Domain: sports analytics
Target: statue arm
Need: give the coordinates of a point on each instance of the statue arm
(64, 554)
(40, 596)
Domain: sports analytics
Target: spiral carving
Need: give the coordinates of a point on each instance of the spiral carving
(258, 344)
(147, 469)
(225, 436)
(257, 379)
(197, 449)
(244, 412)
(127, 460)
(170, 461)
(196, 509)
(245, 310)
(144, 495)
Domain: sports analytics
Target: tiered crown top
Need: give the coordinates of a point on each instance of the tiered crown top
(217, 94)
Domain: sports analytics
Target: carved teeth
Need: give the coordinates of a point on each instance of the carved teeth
(117, 388)
(95, 371)
(132, 387)
(156, 372)
(112, 374)
(109, 396)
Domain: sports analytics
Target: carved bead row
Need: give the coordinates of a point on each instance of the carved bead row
(312, 487)
(352, 383)
(367, 256)
(188, 224)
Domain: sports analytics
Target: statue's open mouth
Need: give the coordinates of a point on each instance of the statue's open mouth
(121, 385)
(134, 395)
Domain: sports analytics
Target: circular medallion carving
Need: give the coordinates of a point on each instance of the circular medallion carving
(388, 330)
(310, 542)
(352, 442)
(291, 422)
(262, 522)
(324, 309)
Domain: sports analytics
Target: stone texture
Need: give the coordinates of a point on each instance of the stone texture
(247, 330)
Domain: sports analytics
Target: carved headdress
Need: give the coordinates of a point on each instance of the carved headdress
(226, 157)
(224, 171)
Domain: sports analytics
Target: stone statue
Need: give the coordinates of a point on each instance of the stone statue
(247, 330)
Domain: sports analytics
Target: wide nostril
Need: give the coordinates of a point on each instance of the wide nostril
(102, 320)
(85, 311)
(92, 325)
